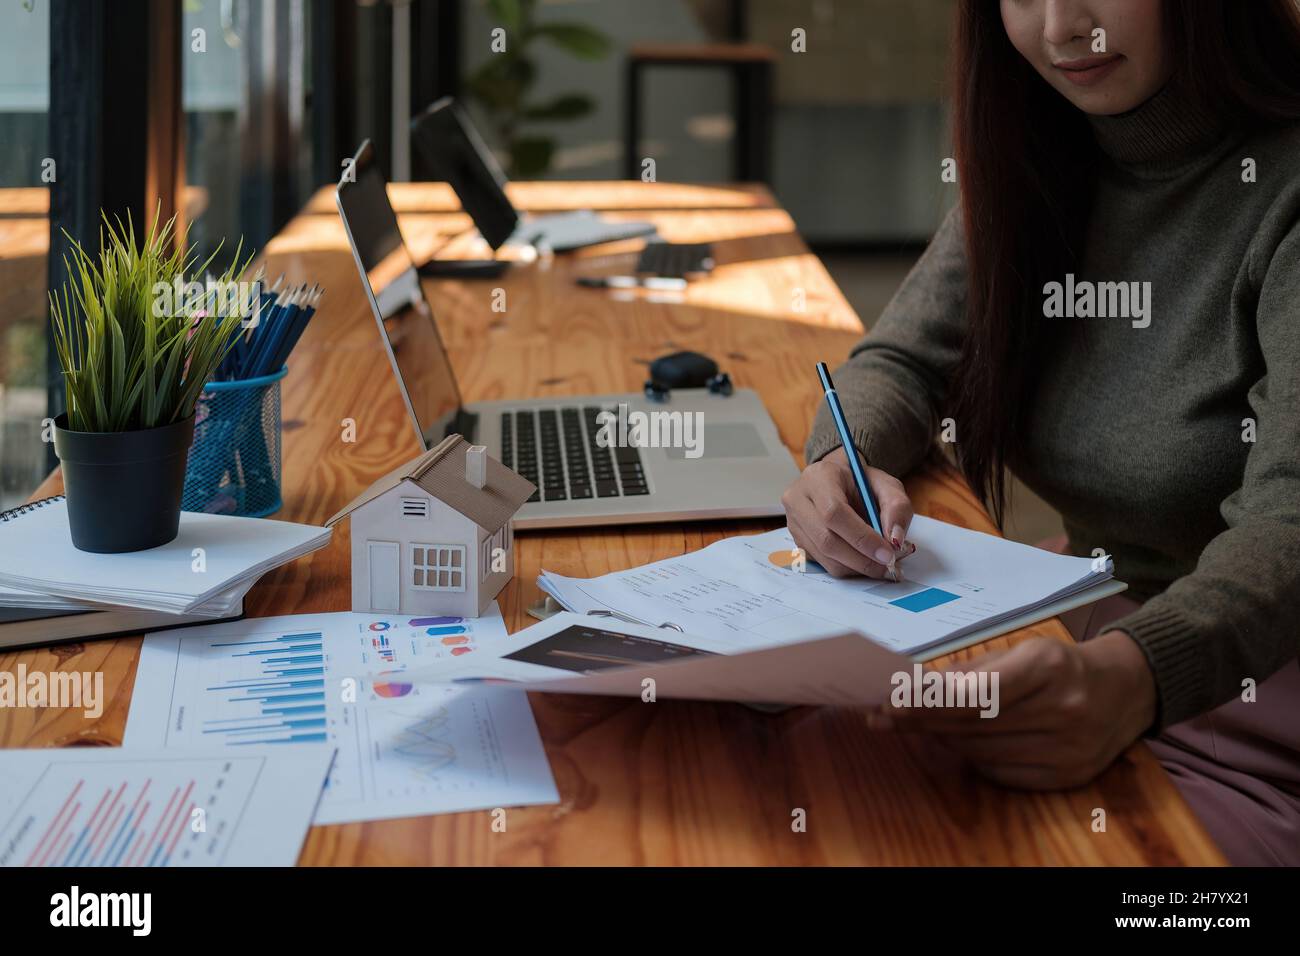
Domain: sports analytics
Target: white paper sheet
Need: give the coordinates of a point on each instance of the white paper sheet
(220, 605)
(578, 654)
(118, 807)
(210, 554)
(404, 749)
(748, 593)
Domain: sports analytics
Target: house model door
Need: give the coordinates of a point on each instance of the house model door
(385, 575)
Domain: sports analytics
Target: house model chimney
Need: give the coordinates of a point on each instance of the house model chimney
(476, 465)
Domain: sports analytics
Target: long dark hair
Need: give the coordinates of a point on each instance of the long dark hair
(1025, 159)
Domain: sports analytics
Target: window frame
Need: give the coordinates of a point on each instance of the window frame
(422, 565)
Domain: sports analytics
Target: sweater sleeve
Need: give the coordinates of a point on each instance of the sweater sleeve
(892, 385)
(1234, 616)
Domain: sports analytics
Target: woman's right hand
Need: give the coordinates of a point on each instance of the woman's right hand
(826, 519)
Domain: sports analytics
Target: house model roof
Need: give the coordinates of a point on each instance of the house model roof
(441, 472)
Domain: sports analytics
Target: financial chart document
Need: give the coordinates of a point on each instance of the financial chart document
(760, 589)
(404, 748)
(82, 807)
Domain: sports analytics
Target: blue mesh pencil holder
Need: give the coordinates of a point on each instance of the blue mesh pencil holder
(234, 463)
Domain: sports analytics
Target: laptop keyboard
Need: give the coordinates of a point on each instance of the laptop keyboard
(675, 260)
(556, 449)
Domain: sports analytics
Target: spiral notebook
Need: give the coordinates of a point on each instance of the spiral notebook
(210, 555)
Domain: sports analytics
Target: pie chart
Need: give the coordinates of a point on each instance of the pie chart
(391, 688)
(785, 560)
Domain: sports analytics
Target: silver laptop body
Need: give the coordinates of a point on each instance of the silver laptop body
(596, 459)
(445, 137)
(563, 232)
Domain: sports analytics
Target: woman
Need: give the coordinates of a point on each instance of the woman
(1142, 160)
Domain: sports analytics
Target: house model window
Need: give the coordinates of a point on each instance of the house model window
(438, 567)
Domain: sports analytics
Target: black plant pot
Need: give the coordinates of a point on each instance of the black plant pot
(123, 488)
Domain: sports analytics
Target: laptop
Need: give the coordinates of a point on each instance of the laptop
(596, 459)
(446, 140)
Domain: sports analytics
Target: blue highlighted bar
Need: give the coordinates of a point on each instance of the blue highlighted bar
(924, 600)
(282, 698)
(285, 711)
(440, 631)
(285, 638)
(282, 685)
(281, 650)
(291, 739)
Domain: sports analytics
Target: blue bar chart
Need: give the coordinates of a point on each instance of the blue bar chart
(304, 681)
(281, 700)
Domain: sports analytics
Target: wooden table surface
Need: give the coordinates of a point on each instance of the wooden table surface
(670, 783)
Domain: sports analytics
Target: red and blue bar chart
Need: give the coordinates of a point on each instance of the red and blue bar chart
(175, 812)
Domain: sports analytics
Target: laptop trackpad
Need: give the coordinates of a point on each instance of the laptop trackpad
(724, 440)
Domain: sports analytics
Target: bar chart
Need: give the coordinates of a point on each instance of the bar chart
(275, 693)
(107, 806)
(180, 812)
(403, 748)
(414, 642)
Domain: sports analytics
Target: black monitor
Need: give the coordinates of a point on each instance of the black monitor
(405, 320)
(451, 148)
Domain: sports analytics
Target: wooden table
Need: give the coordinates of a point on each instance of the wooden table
(672, 783)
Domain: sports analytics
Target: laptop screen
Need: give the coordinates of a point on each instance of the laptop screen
(418, 356)
(450, 146)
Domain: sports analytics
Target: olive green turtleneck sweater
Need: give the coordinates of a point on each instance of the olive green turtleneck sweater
(1140, 436)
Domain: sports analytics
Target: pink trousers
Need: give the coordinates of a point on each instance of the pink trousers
(1237, 766)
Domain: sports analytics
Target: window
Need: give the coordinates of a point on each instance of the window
(438, 567)
(415, 507)
(245, 84)
(28, 170)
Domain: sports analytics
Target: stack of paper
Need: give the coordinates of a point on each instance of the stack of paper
(220, 605)
(16, 597)
(211, 559)
(961, 587)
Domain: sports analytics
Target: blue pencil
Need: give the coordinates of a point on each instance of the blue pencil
(851, 452)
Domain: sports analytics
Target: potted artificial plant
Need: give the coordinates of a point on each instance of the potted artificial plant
(504, 84)
(135, 348)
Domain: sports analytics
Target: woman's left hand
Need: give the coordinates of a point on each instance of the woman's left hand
(1064, 711)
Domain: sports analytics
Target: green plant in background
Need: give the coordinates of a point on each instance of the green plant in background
(132, 359)
(503, 84)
